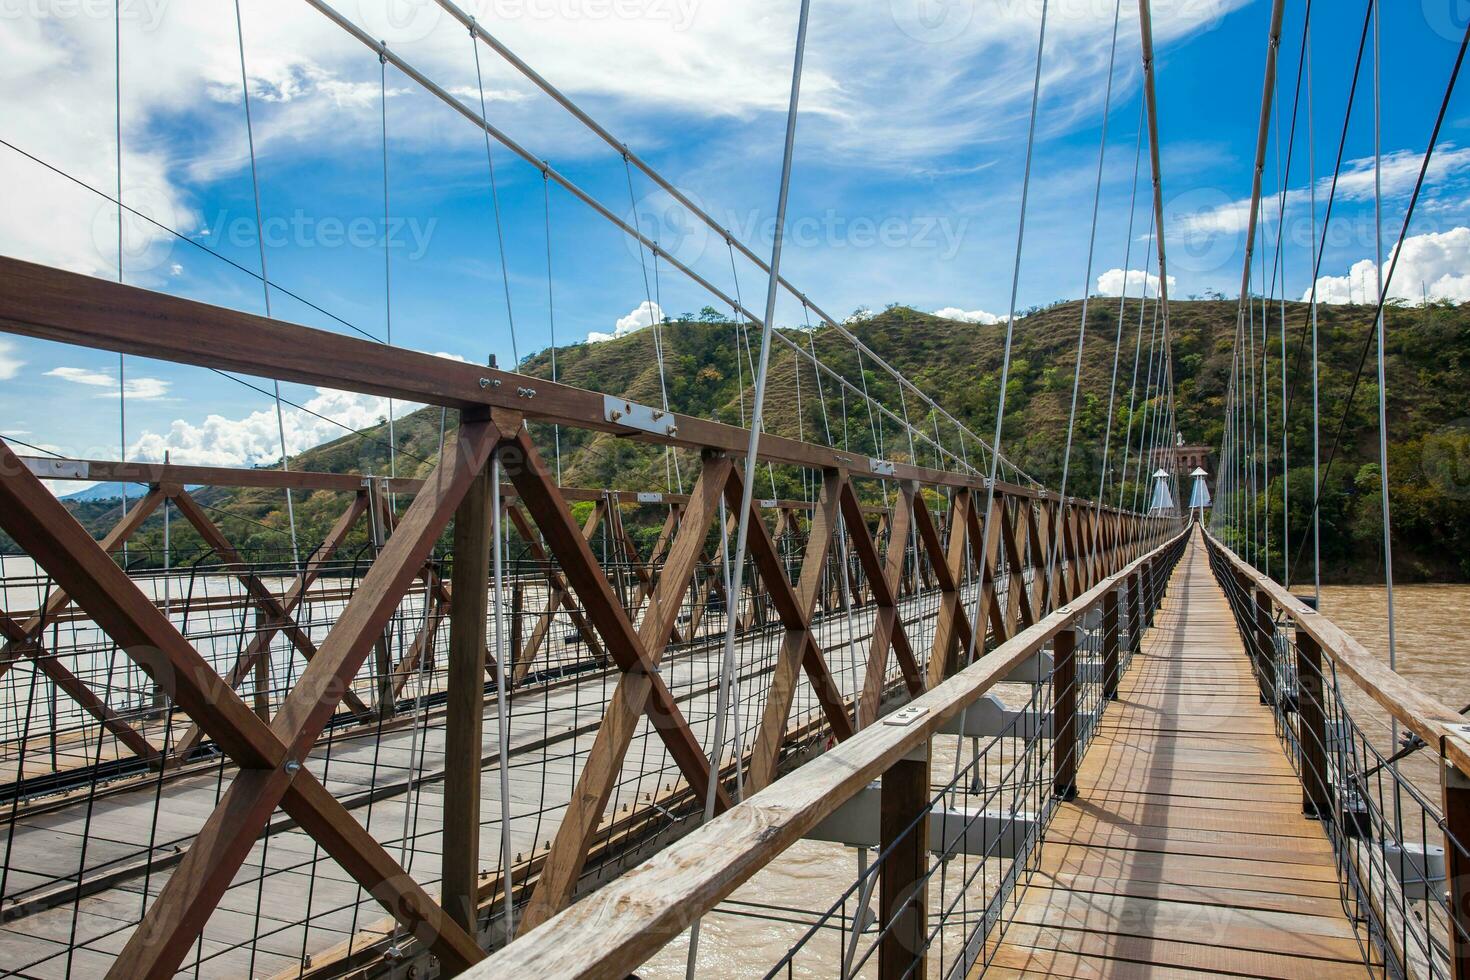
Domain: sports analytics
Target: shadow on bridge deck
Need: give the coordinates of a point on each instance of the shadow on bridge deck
(1185, 852)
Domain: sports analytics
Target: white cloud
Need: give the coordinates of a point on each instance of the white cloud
(81, 376)
(1111, 283)
(1400, 170)
(10, 365)
(967, 316)
(867, 88)
(1438, 262)
(255, 439)
(642, 315)
(140, 388)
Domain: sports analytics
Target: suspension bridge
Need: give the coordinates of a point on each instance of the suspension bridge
(490, 724)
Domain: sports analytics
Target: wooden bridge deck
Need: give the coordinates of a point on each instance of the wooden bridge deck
(1185, 852)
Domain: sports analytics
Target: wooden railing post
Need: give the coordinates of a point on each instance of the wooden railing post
(904, 838)
(1135, 614)
(1149, 573)
(1265, 640)
(1311, 727)
(1456, 787)
(1064, 714)
(464, 707)
(1110, 645)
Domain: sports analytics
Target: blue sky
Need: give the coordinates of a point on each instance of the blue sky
(905, 189)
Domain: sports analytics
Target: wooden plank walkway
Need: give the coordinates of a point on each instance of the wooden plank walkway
(1185, 852)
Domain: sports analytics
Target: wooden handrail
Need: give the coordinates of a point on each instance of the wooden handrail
(1423, 714)
(618, 927)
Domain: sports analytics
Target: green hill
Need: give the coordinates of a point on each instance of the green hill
(959, 365)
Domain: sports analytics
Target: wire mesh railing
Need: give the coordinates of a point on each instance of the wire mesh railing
(1377, 788)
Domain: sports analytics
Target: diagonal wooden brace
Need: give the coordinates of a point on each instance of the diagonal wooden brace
(270, 757)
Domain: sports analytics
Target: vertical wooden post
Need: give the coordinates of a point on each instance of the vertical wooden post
(1150, 591)
(1135, 614)
(1064, 714)
(517, 607)
(1311, 727)
(464, 708)
(262, 674)
(1456, 787)
(1110, 644)
(1265, 641)
(903, 833)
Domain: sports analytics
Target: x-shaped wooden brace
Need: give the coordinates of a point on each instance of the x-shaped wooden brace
(888, 628)
(640, 690)
(794, 606)
(270, 756)
(1019, 613)
(989, 565)
(28, 644)
(950, 565)
(24, 639)
(278, 616)
(560, 595)
(260, 644)
(650, 571)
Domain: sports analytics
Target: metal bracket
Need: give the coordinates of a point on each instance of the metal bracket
(644, 418)
(767, 503)
(905, 716)
(650, 497)
(882, 467)
(59, 469)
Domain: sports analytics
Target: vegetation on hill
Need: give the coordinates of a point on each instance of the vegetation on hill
(707, 373)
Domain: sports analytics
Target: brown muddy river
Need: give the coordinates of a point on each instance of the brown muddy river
(751, 931)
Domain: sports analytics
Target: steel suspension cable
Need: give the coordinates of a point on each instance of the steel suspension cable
(752, 451)
(264, 274)
(1087, 284)
(1386, 281)
(510, 318)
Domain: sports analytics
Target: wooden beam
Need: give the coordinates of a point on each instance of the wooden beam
(640, 690)
(903, 840)
(795, 608)
(464, 714)
(269, 769)
(259, 647)
(74, 688)
(39, 301)
(953, 624)
(616, 928)
(1065, 745)
(57, 599)
(888, 629)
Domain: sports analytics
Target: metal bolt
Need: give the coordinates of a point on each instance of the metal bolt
(292, 766)
(489, 382)
(614, 415)
(526, 392)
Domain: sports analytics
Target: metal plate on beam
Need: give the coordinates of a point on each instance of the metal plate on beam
(632, 415)
(883, 467)
(58, 469)
(648, 497)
